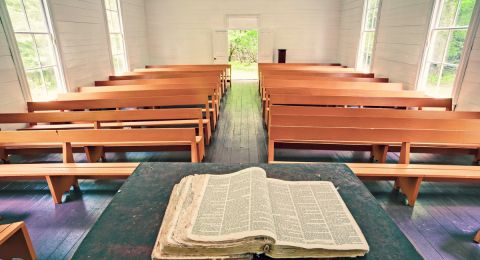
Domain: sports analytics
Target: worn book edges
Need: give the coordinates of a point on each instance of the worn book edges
(234, 216)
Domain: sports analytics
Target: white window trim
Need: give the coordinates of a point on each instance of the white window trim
(362, 35)
(120, 16)
(468, 44)
(15, 51)
(467, 50)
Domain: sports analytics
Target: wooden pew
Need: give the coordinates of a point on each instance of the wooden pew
(370, 112)
(163, 101)
(314, 83)
(336, 92)
(142, 91)
(361, 101)
(172, 82)
(179, 117)
(313, 80)
(226, 68)
(409, 102)
(391, 136)
(110, 140)
(325, 84)
(167, 74)
(379, 151)
(409, 177)
(477, 237)
(62, 176)
(15, 242)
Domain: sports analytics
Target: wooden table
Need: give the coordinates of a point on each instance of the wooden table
(128, 227)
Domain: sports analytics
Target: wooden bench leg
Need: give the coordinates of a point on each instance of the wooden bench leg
(3, 155)
(59, 185)
(410, 186)
(477, 237)
(271, 151)
(194, 152)
(477, 158)
(18, 246)
(379, 153)
(67, 153)
(94, 153)
(208, 134)
(201, 151)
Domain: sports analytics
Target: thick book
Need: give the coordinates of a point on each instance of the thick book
(237, 215)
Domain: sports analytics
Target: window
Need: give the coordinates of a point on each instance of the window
(33, 33)
(115, 28)
(367, 38)
(446, 39)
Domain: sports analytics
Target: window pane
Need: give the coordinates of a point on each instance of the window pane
(27, 49)
(36, 15)
(446, 82)
(117, 45)
(50, 75)
(45, 49)
(371, 19)
(35, 82)
(455, 46)
(433, 76)
(17, 15)
(465, 13)
(113, 22)
(119, 63)
(373, 4)
(111, 5)
(449, 10)
(439, 43)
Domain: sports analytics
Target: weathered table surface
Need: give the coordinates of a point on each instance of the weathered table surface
(128, 227)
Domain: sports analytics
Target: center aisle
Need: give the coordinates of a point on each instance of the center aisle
(240, 136)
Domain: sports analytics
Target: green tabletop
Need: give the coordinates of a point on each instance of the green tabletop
(128, 227)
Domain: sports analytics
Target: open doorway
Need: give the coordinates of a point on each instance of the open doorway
(243, 54)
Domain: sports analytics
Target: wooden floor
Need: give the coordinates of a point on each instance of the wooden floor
(441, 225)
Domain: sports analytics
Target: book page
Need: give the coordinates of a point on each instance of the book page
(234, 206)
(313, 215)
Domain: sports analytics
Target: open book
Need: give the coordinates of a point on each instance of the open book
(234, 216)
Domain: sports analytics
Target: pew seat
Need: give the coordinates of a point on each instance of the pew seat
(95, 142)
(410, 176)
(62, 176)
(90, 148)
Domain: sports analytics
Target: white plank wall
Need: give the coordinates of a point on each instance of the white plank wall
(402, 32)
(350, 29)
(180, 31)
(11, 97)
(82, 33)
(469, 98)
(135, 29)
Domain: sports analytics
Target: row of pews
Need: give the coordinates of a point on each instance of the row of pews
(159, 108)
(330, 107)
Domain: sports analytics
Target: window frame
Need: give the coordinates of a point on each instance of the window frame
(465, 53)
(122, 33)
(467, 49)
(363, 31)
(15, 50)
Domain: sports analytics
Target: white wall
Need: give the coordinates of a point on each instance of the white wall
(11, 97)
(180, 31)
(469, 98)
(135, 29)
(350, 29)
(402, 32)
(82, 33)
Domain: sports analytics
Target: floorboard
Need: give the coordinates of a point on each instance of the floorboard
(441, 225)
